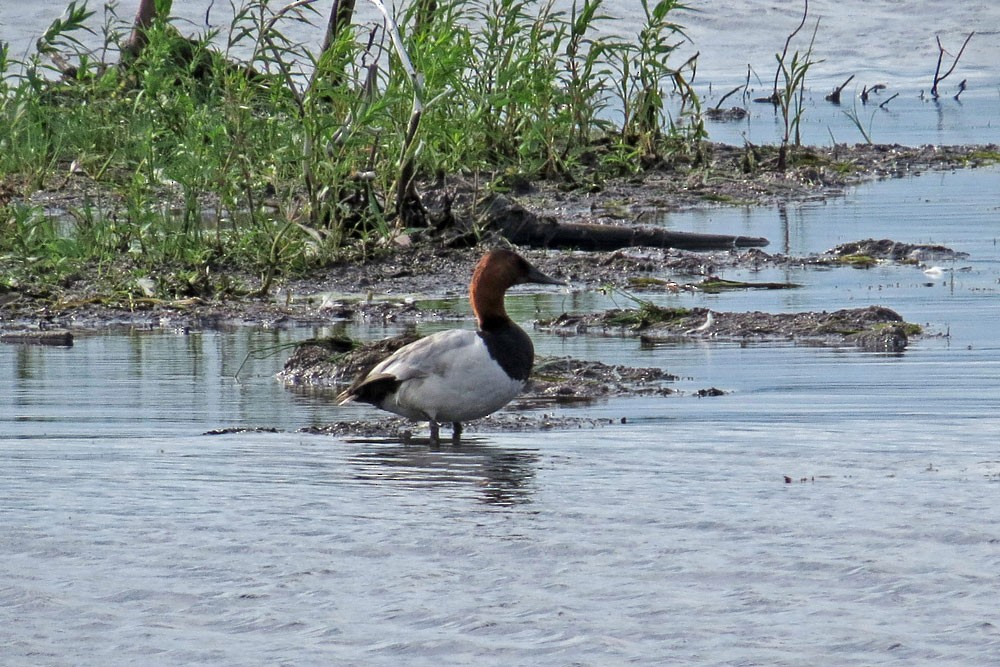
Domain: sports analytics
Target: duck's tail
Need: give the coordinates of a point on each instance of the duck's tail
(370, 389)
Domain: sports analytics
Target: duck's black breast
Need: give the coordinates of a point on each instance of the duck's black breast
(511, 348)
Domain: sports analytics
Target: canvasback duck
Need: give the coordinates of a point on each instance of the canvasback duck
(458, 375)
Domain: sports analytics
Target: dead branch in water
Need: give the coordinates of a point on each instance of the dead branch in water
(866, 91)
(835, 95)
(734, 90)
(890, 99)
(938, 77)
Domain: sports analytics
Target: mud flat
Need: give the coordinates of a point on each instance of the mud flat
(874, 329)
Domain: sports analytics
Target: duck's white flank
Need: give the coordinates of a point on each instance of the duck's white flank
(447, 377)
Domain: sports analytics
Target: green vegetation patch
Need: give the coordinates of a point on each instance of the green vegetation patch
(239, 147)
(908, 328)
(984, 156)
(857, 261)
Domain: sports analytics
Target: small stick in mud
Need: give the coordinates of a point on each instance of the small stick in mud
(834, 97)
(938, 77)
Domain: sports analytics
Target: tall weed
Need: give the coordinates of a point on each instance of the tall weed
(248, 147)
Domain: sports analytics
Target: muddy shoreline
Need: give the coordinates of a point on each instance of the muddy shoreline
(425, 264)
(437, 262)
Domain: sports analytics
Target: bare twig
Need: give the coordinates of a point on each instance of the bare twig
(268, 27)
(734, 90)
(866, 91)
(938, 77)
(404, 58)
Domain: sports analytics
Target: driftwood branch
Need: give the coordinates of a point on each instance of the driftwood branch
(522, 227)
(892, 97)
(866, 91)
(724, 97)
(961, 88)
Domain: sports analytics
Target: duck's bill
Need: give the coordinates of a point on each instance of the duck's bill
(536, 276)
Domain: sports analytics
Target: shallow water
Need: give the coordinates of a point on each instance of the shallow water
(128, 536)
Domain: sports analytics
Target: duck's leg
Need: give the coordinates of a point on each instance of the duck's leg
(435, 439)
(456, 432)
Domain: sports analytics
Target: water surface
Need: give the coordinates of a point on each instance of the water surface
(834, 507)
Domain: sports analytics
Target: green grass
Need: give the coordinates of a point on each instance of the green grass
(789, 99)
(190, 156)
(984, 156)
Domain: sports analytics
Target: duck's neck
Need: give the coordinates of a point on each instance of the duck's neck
(489, 308)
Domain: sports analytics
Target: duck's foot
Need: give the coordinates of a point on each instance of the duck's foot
(456, 433)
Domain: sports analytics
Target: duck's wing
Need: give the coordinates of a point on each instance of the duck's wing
(431, 355)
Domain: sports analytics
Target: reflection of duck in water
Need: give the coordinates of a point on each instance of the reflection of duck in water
(458, 375)
(498, 476)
